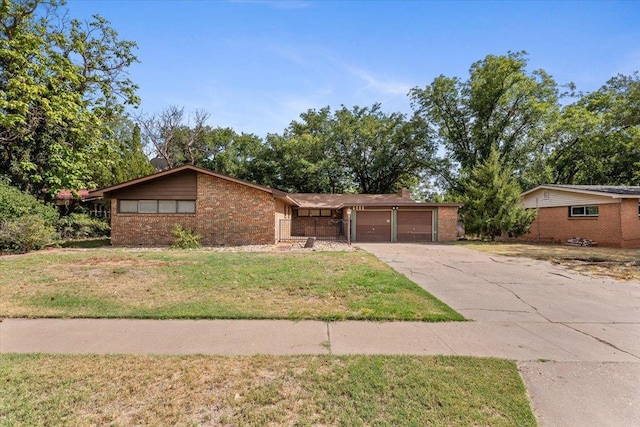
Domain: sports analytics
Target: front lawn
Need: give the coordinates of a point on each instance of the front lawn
(261, 391)
(621, 264)
(131, 283)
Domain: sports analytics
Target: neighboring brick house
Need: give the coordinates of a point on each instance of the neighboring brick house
(608, 215)
(229, 211)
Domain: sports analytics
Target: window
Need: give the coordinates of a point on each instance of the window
(167, 206)
(128, 206)
(186, 206)
(314, 212)
(157, 206)
(147, 206)
(580, 211)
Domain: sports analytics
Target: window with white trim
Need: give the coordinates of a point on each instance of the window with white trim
(157, 206)
(584, 211)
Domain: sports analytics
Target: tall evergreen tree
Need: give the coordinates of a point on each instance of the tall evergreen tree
(492, 201)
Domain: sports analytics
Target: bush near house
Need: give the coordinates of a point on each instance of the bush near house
(79, 225)
(185, 239)
(25, 222)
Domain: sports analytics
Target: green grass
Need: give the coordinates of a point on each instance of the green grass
(116, 283)
(261, 391)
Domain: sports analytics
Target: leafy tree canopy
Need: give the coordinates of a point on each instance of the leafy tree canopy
(596, 140)
(61, 81)
(360, 150)
(179, 139)
(501, 105)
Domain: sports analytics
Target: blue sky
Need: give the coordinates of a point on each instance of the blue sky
(256, 65)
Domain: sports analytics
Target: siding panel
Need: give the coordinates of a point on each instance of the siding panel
(564, 198)
(172, 187)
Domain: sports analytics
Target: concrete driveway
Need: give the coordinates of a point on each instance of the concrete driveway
(587, 329)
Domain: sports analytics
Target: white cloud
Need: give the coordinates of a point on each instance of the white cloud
(384, 87)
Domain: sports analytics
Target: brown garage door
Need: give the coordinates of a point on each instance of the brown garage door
(373, 226)
(415, 226)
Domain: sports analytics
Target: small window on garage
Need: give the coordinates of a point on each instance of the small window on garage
(584, 211)
(303, 212)
(325, 212)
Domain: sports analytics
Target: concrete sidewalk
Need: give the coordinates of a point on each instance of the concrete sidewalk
(517, 341)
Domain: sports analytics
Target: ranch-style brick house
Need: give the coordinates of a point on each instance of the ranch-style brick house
(608, 215)
(227, 211)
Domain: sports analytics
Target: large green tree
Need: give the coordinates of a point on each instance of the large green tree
(124, 156)
(596, 140)
(305, 157)
(383, 152)
(360, 150)
(178, 139)
(501, 105)
(492, 200)
(61, 81)
(235, 154)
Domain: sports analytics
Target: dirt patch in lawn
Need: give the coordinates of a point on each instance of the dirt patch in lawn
(623, 264)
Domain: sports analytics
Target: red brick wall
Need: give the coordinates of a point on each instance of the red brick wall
(630, 223)
(615, 220)
(227, 214)
(233, 214)
(447, 223)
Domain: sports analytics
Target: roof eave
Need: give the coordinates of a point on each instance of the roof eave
(382, 204)
(104, 192)
(580, 191)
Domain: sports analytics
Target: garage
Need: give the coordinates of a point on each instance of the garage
(373, 226)
(415, 226)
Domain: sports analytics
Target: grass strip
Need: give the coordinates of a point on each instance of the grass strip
(74, 390)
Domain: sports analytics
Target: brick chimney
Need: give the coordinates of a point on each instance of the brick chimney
(404, 193)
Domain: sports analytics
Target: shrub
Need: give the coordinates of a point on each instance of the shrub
(27, 233)
(185, 239)
(82, 225)
(16, 204)
(25, 222)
